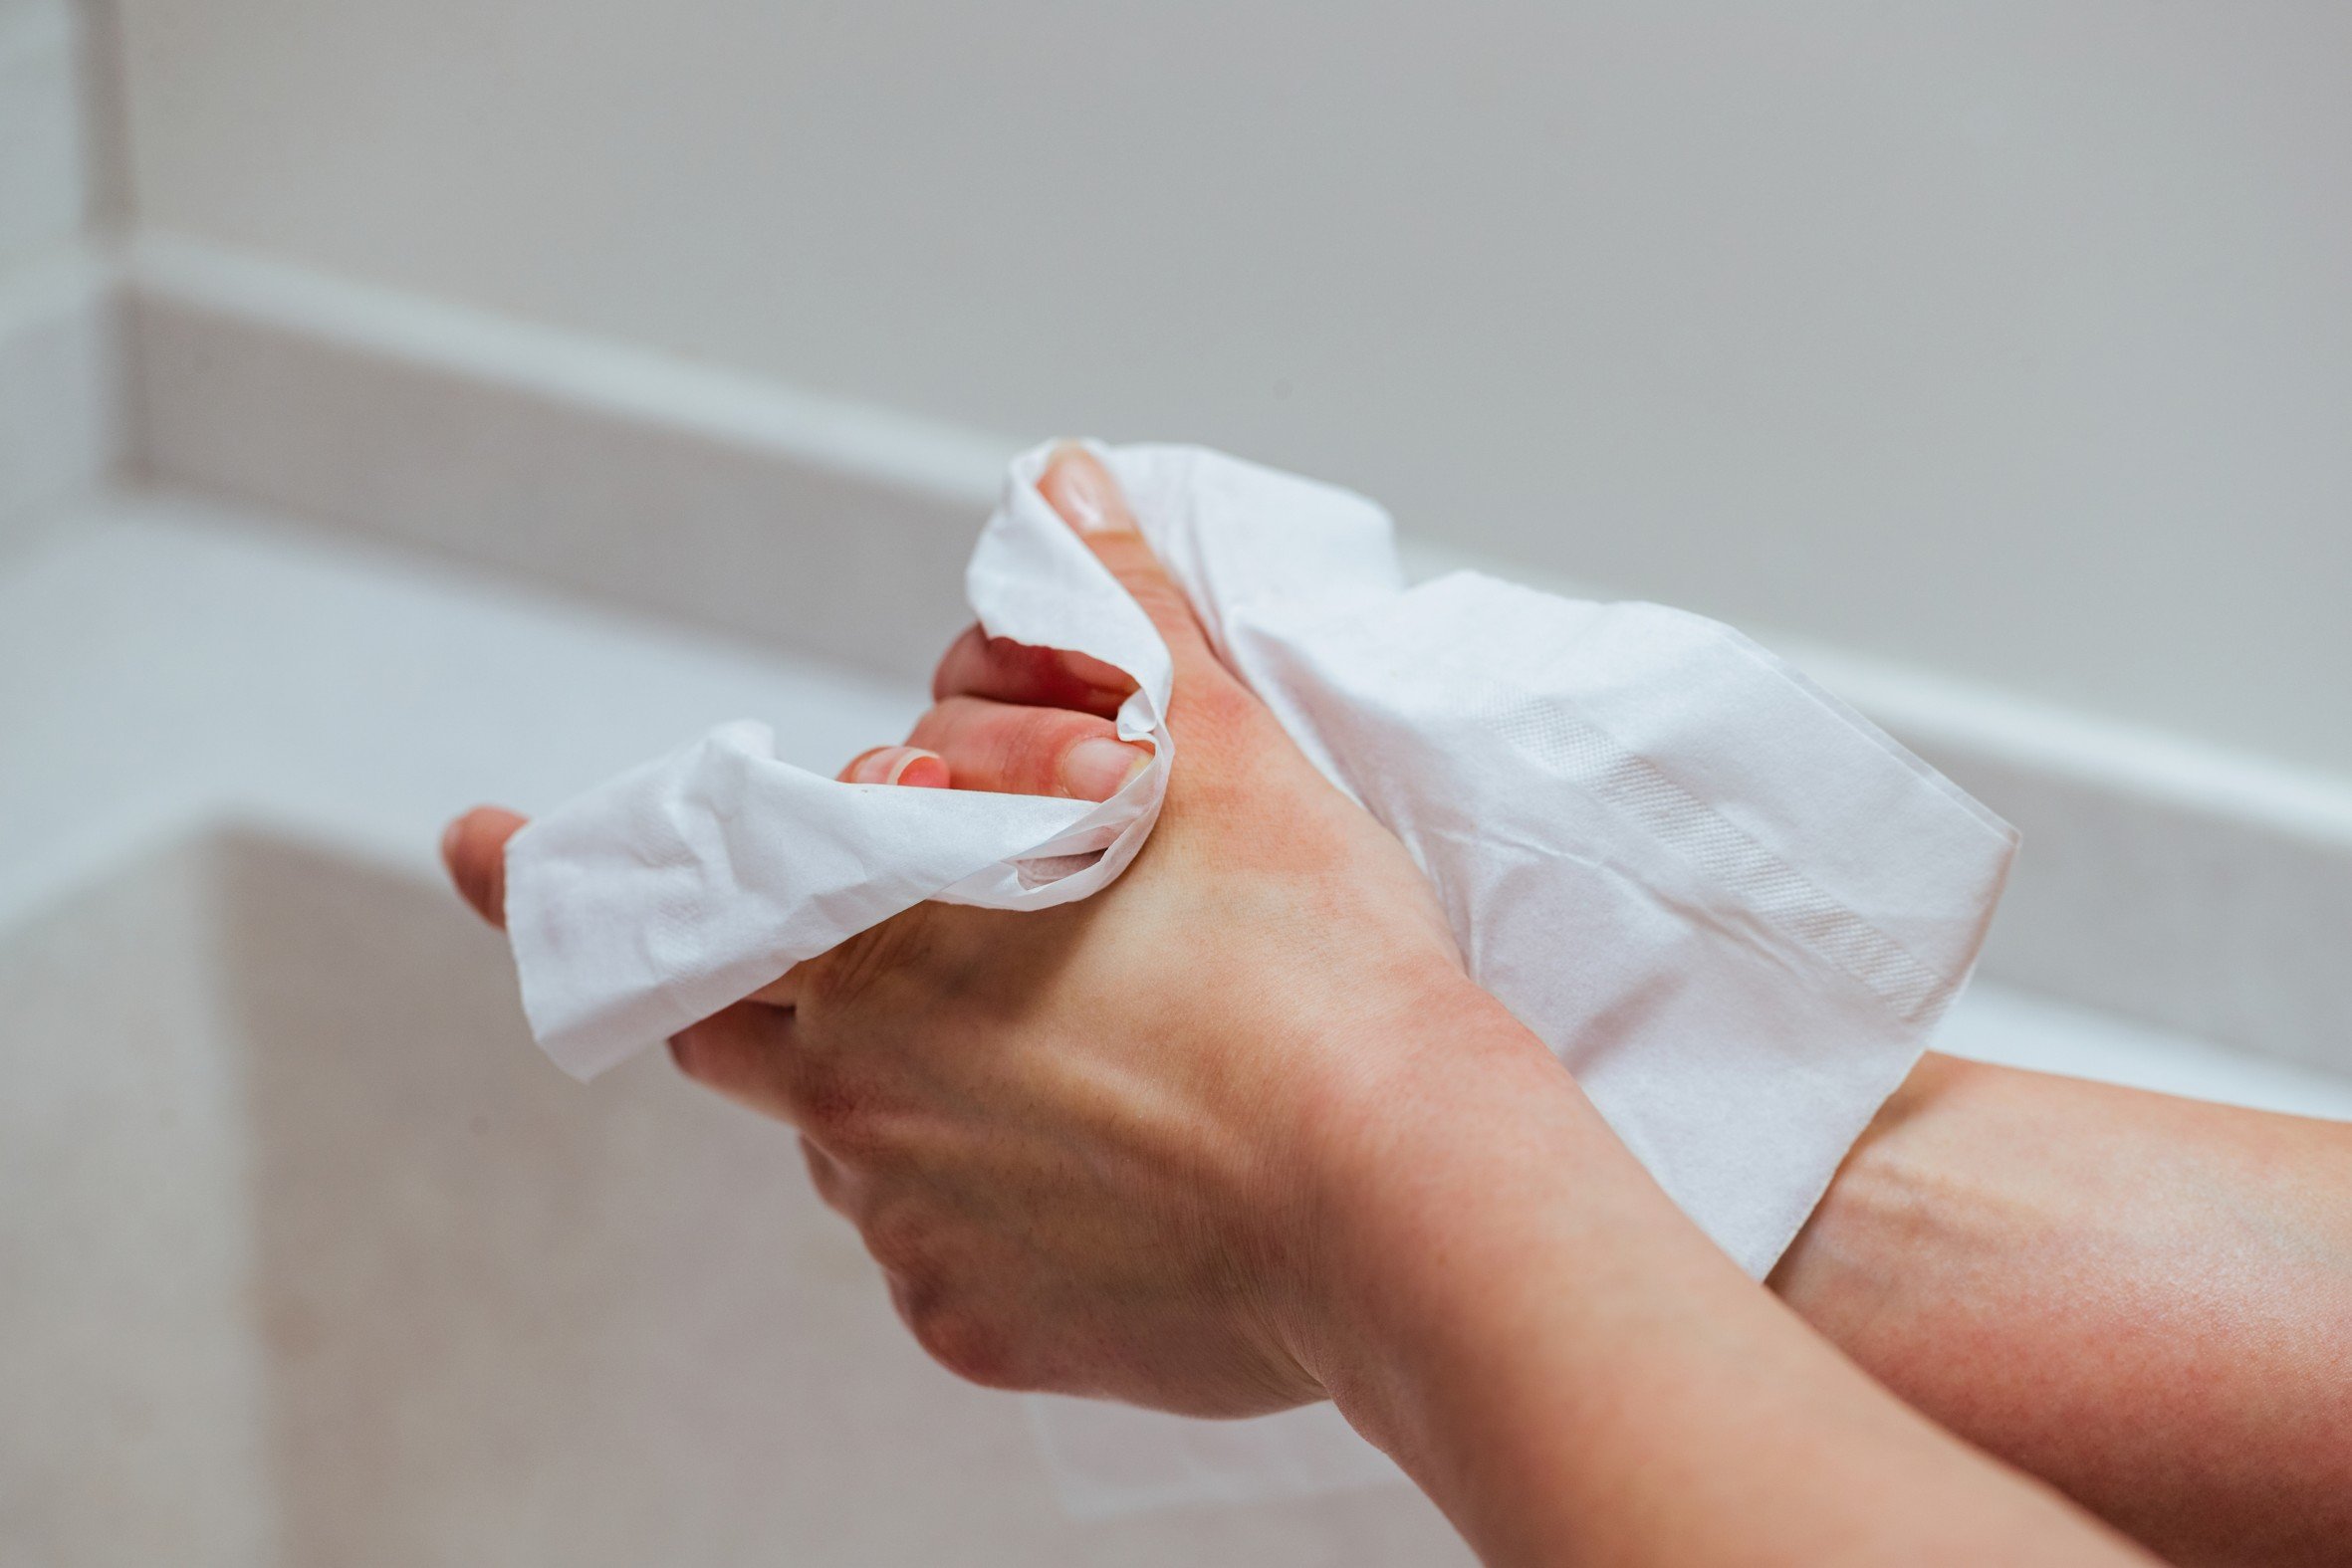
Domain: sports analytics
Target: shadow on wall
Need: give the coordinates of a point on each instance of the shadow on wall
(313, 1258)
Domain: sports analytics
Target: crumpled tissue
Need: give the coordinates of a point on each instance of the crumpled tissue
(1731, 905)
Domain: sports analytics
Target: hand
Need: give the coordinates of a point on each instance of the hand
(1238, 1132)
(1093, 1147)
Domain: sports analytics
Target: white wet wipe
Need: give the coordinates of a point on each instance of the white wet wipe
(1729, 904)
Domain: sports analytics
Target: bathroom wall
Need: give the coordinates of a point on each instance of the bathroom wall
(2006, 340)
(58, 425)
(42, 188)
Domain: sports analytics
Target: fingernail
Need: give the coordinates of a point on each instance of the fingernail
(1081, 490)
(449, 842)
(917, 769)
(1098, 769)
(899, 765)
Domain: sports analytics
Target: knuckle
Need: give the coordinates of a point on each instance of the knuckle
(897, 1237)
(959, 1339)
(828, 1105)
(820, 1101)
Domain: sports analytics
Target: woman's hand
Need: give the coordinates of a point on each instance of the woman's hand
(1237, 1132)
(1095, 1147)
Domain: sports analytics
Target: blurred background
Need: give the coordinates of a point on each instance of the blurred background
(2007, 340)
(407, 404)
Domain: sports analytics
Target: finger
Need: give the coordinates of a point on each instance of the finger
(1015, 749)
(1081, 490)
(978, 665)
(910, 766)
(741, 1053)
(473, 847)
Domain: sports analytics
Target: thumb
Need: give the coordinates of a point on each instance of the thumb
(1081, 490)
(474, 850)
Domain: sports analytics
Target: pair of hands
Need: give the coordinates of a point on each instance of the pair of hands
(1238, 1133)
(1106, 1148)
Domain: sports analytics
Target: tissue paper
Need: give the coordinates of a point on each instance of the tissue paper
(1731, 905)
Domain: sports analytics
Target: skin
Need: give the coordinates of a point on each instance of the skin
(2145, 1300)
(1312, 1159)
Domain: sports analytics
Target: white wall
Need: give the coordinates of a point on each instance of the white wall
(42, 188)
(59, 431)
(2007, 339)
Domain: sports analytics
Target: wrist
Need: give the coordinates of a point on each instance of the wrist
(1440, 1136)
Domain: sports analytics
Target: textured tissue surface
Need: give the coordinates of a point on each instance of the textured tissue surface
(1729, 904)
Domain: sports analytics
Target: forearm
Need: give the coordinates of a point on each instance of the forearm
(2146, 1301)
(1576, 1375)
